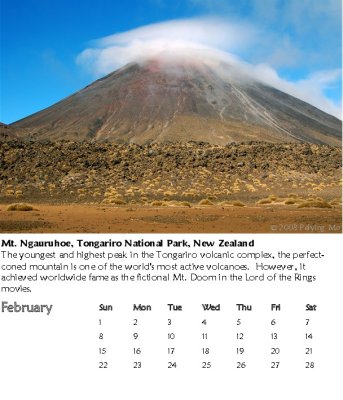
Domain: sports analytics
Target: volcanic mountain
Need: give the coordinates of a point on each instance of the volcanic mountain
(154, 103)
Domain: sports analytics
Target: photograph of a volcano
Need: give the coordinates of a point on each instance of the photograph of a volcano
(198, 125)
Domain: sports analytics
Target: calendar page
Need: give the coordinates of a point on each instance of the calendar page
(170, 316)
(171, 200)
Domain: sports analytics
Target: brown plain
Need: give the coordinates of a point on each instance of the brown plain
(74, 218)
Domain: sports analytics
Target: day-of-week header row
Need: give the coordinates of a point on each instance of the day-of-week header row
(205, 307)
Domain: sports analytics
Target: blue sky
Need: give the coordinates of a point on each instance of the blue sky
(44, 43)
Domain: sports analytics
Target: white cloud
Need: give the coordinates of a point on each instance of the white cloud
(206, 40)
(165, 38)
(311, 89)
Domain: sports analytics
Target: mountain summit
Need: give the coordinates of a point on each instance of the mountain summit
(182, 102)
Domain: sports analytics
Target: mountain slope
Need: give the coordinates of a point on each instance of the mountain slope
(6, 132)
(151, 103)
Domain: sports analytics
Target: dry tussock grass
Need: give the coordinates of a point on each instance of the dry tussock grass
(185, 204)
(314, 204)
(290, 201)
(264, 201)
(205, 202)
(273, 198)
(238, 204)
(157, 203)
(20, 207)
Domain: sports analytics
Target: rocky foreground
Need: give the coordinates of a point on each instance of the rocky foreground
(170, 174)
